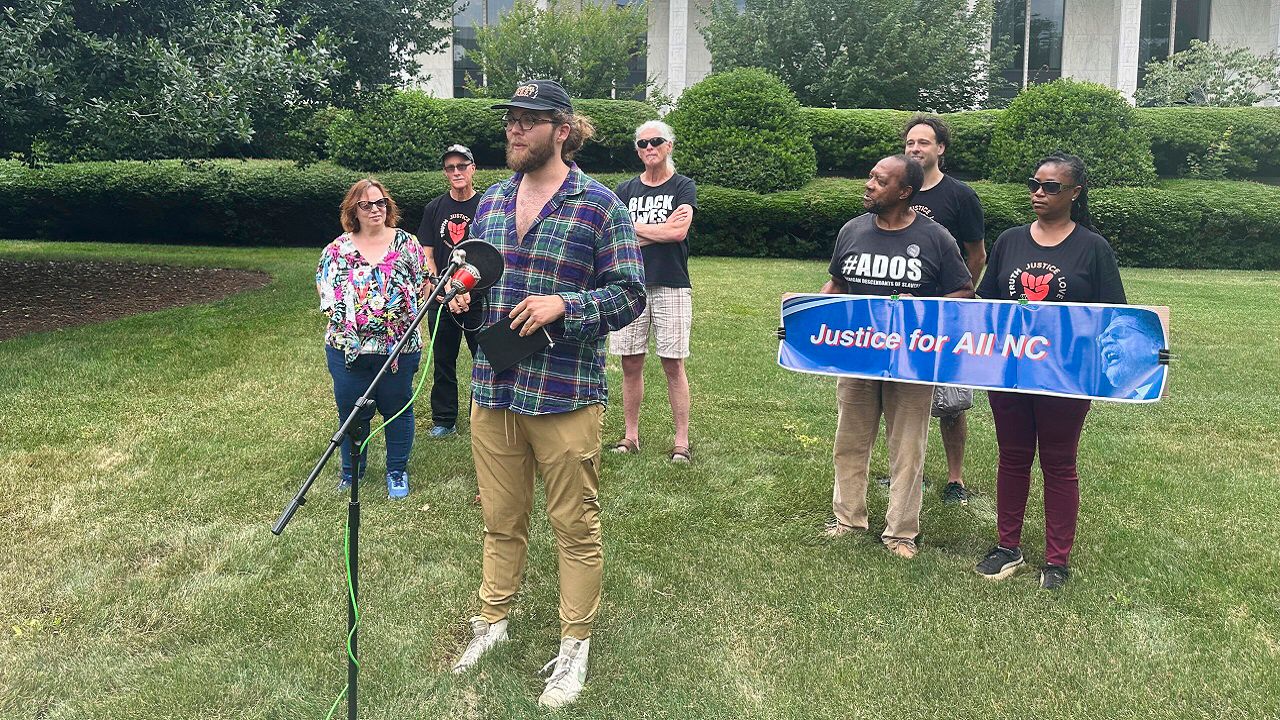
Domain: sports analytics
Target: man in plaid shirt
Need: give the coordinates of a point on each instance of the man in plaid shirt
(573, 267)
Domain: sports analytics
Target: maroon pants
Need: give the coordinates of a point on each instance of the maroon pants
(1054, 423)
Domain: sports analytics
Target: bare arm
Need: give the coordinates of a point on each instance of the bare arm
(835, 286)
(975, 258)
(675, 229)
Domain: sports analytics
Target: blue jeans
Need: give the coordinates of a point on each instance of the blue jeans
(393, 392)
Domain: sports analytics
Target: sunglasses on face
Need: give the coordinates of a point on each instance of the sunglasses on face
(647, 142)
(457, 168)
(1050, 187)
(367, 205)
(526, 122)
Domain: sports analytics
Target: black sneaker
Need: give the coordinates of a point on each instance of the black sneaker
(955, 494)
(1000, 563)
(1054, 577)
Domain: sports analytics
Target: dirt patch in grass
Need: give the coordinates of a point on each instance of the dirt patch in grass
(38, 296)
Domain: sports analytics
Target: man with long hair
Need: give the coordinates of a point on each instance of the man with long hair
(573, 270)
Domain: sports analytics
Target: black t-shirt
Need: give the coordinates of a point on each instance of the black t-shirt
(921, 259)
(665, 264)
(1081, 268)
(954, 206)
(445, 223)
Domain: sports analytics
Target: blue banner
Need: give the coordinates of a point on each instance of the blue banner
(1105, 352)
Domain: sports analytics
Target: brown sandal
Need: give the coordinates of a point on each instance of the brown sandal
(680, 454)
(626, 446)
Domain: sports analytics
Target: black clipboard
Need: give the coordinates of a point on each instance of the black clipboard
(504, 347)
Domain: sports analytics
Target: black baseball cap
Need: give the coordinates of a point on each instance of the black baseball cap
(538, 95)
(456, 149)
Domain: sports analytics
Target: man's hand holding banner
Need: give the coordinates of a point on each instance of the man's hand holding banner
(1105, 352)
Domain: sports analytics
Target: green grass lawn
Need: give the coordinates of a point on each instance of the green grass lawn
(143, 461)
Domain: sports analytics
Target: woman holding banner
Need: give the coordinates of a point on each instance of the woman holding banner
(369, 279)
(1058, 258)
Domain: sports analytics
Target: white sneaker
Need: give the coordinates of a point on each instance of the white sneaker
(483, 637)
(569, 674)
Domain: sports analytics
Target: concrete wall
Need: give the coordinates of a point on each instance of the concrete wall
(1089, 41)
(436, 76)
(1244, 23)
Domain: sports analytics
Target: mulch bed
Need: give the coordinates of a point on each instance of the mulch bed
(39, 296)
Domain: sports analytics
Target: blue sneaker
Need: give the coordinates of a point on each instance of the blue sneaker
(344, 481)
(439, 432)
(397, 484)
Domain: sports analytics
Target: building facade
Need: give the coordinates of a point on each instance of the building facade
(1103, 41)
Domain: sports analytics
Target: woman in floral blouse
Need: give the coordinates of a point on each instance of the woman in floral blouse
(370, 280)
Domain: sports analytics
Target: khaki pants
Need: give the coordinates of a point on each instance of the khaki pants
(905, 407)
(564, 448)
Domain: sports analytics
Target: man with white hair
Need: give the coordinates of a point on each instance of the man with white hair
(661, 202)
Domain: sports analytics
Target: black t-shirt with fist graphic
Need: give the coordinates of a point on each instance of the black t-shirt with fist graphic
(445, 223)
(1082, 268)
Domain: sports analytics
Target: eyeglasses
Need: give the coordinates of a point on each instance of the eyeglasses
(646, 142)
(457, 168)
(1050, 187)
(367, 205)
(526, 122)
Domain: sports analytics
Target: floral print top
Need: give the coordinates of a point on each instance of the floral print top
(371, 306)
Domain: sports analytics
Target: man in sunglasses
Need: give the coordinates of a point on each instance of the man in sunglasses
(661, 203)
(956, 207)
(446, 221)
(890, 250)
(573, 270)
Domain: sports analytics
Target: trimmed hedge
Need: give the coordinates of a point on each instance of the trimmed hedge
(1086, 119)
(408, 130)
(851, 141)
(202, 202)
(1182, 133)
(1178, 223)
(743, 129)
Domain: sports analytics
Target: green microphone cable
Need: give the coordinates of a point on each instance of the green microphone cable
(346, 541)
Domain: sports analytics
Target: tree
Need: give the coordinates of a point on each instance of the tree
(97, 79)
(900, 54)
(1211, 74)
(588, 50)
(377, 40)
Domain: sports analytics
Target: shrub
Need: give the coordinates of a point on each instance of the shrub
(613, 147)
(474, 123)
(1085, 119)
(395, 131)
(1180, 223)
(852, 141)
(743, 129)
(969, 154)
(1182, 135)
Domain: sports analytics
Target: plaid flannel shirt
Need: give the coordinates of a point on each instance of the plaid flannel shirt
(581, 247)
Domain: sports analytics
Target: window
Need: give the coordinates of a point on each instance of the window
(1027, 36)
(477, 13)
(1169, 26)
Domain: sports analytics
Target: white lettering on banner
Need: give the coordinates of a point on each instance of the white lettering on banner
(860, 267)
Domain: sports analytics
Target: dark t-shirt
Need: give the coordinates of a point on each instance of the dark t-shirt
(954, 206)
(445, 223)
(665, 264)
(1082, 268)
(921, 259)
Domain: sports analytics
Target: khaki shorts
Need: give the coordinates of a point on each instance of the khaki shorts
(669, 311)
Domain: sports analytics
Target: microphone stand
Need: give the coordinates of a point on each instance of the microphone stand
(348, 429)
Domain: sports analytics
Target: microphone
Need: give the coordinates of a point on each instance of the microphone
(465, 277)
